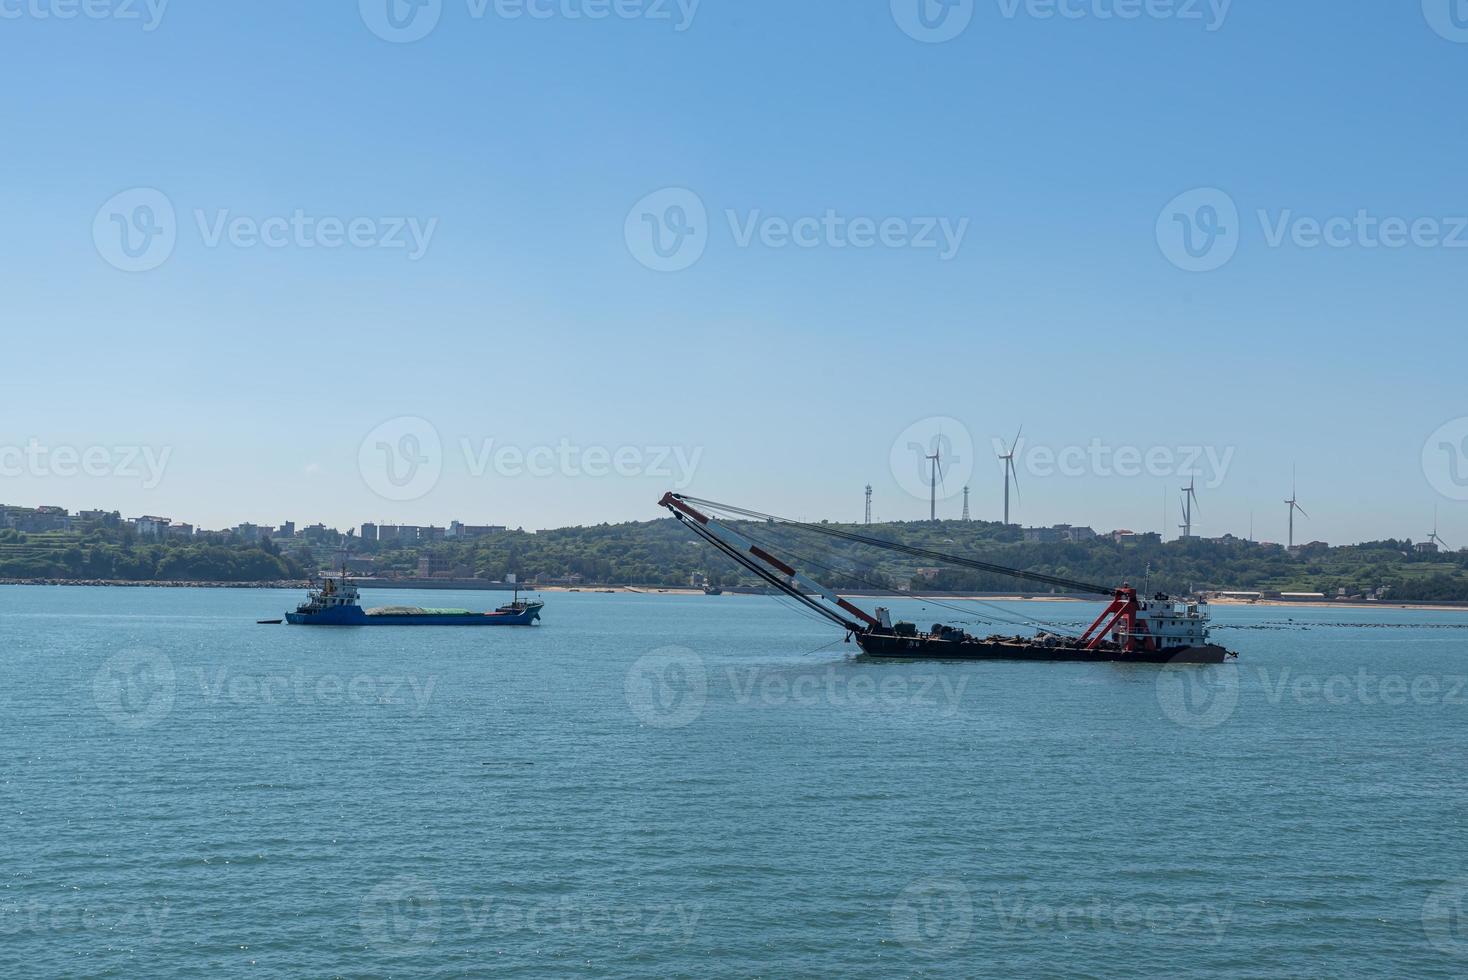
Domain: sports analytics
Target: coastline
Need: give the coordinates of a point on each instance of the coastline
(299, 585)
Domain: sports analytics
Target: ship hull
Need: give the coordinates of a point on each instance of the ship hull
(889, 646)
(356, 616)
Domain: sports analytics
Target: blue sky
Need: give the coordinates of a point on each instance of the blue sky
(524, 150)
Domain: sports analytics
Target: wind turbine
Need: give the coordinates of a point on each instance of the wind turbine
(1294, 503)
(1433, 537)
(1010, 472)
(937, 474)
(1190, 500)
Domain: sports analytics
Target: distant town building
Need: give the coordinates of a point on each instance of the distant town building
(1060, 533)
(562, 580)
(35, 520)
(472, 532)
(434, 566)
(179, 531)
(150, 527)
(369, 532)
(287, 530)
(1426, 547)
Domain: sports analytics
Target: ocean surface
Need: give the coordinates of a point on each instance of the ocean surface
(659, 785)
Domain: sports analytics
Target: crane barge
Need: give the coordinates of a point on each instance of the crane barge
(1158, 630)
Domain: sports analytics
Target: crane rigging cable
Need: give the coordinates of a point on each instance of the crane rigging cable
(1055, 581)
(1004, 616)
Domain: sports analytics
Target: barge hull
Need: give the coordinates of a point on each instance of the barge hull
(892, 647)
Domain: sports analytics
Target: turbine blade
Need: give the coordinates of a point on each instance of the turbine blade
(1014, 444)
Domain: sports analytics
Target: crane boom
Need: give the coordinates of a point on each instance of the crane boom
(769, 568)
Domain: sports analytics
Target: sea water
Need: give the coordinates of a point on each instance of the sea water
(655, 785)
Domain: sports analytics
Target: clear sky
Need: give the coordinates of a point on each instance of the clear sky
(771, 235)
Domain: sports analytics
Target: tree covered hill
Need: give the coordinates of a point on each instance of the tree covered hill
(662, 553)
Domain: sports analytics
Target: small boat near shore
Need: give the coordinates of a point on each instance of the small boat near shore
(339, 604)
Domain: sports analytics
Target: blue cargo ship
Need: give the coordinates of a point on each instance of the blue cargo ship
(338, 604)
